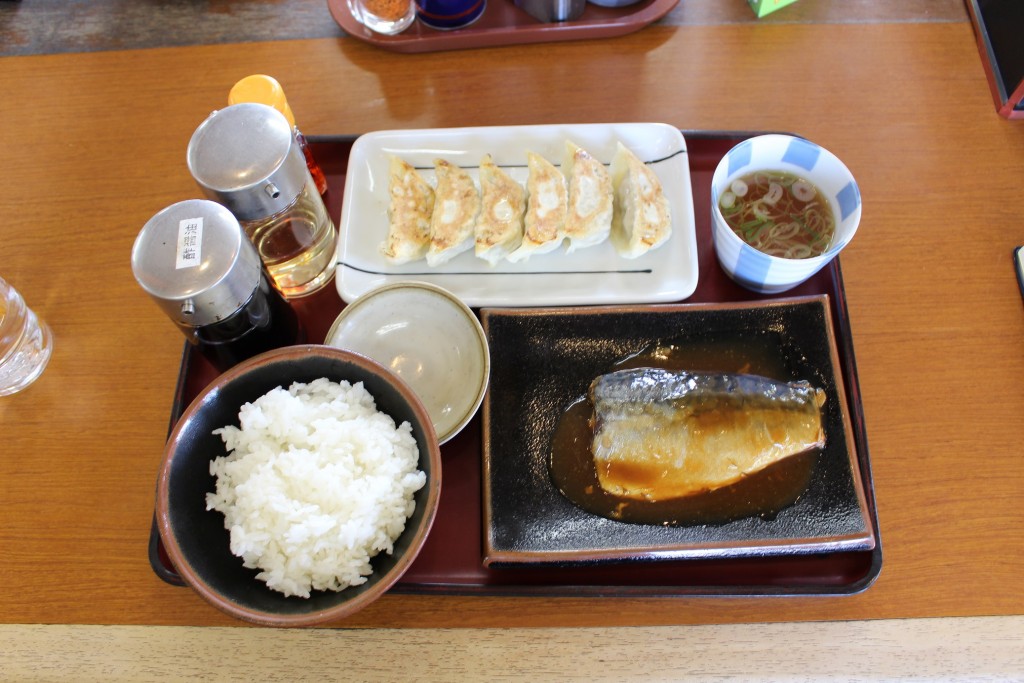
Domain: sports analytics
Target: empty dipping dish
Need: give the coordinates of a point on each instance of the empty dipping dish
(428, 337)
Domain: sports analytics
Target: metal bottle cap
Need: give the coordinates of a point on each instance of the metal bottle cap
(245, 156)
(196, 263)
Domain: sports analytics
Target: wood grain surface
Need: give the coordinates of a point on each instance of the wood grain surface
(92, 145)
(52, 26)
(979, 649)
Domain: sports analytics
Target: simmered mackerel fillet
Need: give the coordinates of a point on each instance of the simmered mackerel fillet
(661, 434)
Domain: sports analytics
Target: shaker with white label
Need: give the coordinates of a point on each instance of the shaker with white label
(195, 262)
(246, 157)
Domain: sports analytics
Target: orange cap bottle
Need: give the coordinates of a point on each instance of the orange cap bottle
(263, 89)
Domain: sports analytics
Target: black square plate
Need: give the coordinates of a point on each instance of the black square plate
(543, 360)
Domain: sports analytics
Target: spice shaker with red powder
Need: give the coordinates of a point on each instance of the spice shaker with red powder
(385, 16)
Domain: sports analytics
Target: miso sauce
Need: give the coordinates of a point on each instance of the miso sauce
(763, 494)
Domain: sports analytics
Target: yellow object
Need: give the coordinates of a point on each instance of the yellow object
(262, 89)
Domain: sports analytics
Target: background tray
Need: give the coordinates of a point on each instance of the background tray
(502, 23)
(451, 561)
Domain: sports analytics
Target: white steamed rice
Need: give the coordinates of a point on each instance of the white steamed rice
(316, 483)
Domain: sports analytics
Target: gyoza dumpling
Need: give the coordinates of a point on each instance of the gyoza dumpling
(642, 220)
(499, 229)
(456, 207)
(589, 220)
(409, 211)
(547, 197)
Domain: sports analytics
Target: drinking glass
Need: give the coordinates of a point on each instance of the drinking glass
(25, 342)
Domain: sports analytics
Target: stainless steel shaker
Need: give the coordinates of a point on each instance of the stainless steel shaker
(195, 262)
(553, 11)
(246, 157)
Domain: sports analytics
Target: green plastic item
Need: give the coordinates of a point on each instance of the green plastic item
(763, 7)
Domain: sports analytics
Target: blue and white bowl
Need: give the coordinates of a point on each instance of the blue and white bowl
(754, 269)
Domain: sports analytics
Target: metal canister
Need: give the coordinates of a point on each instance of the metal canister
(551, 11)
(246, 157)
(195, 262)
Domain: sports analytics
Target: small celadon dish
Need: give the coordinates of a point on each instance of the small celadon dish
(427, 336)
(756, 270)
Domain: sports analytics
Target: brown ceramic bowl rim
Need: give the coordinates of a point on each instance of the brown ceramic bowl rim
(347, 607)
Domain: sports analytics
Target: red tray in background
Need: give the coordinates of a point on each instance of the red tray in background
(451, 561)
(502, 23)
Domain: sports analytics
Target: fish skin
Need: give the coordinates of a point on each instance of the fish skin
(662, 434)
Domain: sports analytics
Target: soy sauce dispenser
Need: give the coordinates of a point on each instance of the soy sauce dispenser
(196, 263)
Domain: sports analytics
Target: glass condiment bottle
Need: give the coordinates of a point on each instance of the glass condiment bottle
(195, 262)
(266, 90)
(245, 157)
(387, 17)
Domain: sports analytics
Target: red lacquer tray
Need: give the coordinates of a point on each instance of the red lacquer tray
(451, 561)
(502, 23)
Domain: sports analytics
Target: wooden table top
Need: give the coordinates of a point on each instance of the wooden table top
(92, 145)
(31, 27)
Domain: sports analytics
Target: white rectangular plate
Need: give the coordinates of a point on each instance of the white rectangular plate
(595, 275)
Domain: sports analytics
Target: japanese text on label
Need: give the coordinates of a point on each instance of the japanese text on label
(190, 243)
